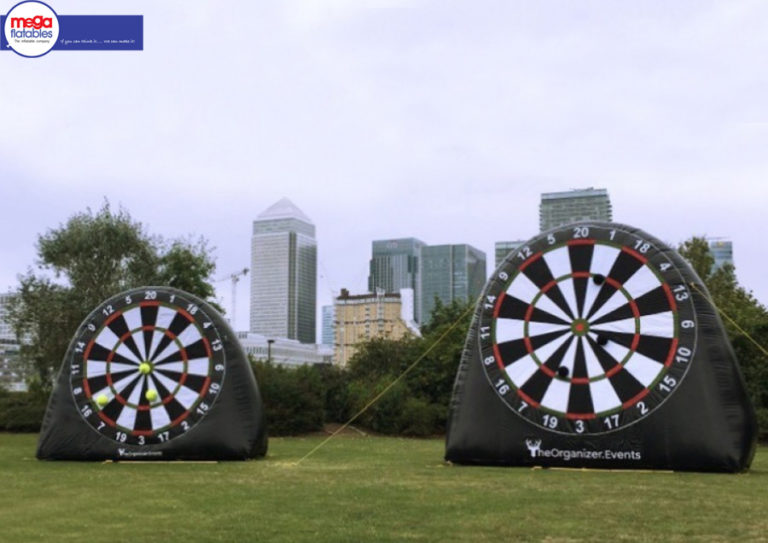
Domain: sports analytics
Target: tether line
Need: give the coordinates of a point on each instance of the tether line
(729, 319)
(389, 387)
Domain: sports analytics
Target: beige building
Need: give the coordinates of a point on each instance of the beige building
(365, 316)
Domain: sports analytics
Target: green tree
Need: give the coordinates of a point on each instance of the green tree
(746, 322)
(86, 260)
(696, 251)
(418, 403)
(187, 266)
(443, 340)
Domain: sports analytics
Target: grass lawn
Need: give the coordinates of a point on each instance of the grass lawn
(367, 489)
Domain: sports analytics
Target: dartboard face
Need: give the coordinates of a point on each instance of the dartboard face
(587, 330)
(147, 367)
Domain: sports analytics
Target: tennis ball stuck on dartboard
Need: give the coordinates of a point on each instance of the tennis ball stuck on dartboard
(102, 400)
(151, 395)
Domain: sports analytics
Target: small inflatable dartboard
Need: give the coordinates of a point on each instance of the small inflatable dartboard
(587, 330)
(147, 367)
(154, 373)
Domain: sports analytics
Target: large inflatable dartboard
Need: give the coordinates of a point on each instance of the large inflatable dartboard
(587, 330)
(592, 338)
(147, 369)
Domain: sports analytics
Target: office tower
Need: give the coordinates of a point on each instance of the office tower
(722, 252)
(503, 248)
(7, 336)
(327, 324)
(284, 274)
(367, 316)
(450, 272)
(561, 208)
(12, 373)
(394, 266)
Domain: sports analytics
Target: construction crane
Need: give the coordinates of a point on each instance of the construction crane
(235, 278)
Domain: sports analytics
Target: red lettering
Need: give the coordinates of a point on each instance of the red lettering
(36, 22)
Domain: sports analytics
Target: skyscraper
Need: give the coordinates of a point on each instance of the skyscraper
(327, 332)
(503, 248)
(7, 336)
(395, 265)
(561, 208)
(450, 272)
(722, 252)
(284, 273)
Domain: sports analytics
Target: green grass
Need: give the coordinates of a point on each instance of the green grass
(367, 489)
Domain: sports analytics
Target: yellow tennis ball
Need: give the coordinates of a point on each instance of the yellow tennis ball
(151, 395)
(102, 400)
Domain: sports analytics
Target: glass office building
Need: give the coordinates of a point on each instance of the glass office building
(561, 208)
(395, 265)
(503, 248)
(328, 330)
(450, 272)
(722, 252)
(284, 274)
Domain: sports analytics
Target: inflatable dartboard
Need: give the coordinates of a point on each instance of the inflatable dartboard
(594, 345)
(154, 373)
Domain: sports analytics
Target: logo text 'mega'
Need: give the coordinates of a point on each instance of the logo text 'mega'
(36, 22)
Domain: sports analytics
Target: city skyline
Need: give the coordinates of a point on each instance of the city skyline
(392, 119)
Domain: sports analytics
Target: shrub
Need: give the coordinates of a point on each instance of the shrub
(21, 411)
(762, 424)
(294, 398)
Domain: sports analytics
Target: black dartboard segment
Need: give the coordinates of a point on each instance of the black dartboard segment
(587, 330)
(147, 367)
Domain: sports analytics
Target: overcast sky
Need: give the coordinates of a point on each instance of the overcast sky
(380, 119)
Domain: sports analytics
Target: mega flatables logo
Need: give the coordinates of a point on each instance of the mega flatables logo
(31, 28)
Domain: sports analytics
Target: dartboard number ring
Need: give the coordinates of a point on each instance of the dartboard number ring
(587, 329)
(147, 366)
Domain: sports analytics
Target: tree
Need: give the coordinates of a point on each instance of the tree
(696, 251)
(746, 322)
(418, 403)
(187, 266)
(444, 337)
(92, 257)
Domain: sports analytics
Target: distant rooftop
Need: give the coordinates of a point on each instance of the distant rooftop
(283, 209)
(345, 295)
(575, 193)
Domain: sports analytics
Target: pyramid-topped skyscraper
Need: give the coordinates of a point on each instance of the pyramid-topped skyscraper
(283, 273)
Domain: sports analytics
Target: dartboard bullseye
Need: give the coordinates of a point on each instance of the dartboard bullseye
(587, 330)
(146, 367)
